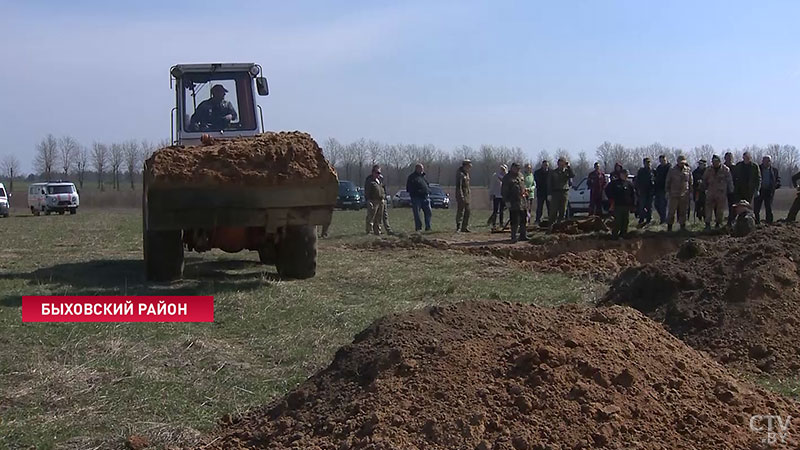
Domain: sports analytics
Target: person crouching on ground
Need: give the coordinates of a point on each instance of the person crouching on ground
(514, 195)
(744, 221)
(622, 195)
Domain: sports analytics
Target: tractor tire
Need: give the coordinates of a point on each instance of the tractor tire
(297, 253)
(163, 255)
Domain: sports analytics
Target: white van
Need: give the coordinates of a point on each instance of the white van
(57, 196)
(4, 205)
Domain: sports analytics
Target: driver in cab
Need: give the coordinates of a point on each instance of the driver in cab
(215, 113)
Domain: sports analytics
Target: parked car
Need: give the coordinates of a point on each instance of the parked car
(349, 196)
(4, 205)
(57, 196)
(578, 197)
(363, 197)
(439, 198)
(401, 199)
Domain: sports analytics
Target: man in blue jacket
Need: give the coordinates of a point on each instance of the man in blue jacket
(419, 191)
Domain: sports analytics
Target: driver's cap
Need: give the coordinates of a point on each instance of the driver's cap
(217, 87)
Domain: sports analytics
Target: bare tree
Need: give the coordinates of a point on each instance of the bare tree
(374, 150)
(67, 147)
(583, 166)
(116, 157)
(358, 153)
(46, 152)
(131, 155)
(81, 161)
(543, 155)
(100, 160)
(10, 168)
(333, 151)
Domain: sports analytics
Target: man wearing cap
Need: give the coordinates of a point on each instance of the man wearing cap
(514, 193)
(496, 197)
(559, 188)
(376, 200)
(770, 181)
(679, 188)
(717, 183)
(463, 196)
(597, 184)
(214, 113)
(744, 222)
(622, 195)
(699, 191)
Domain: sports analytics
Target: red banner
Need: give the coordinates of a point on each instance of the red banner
(118, 309)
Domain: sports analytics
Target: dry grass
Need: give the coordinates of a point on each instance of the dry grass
(78, 386)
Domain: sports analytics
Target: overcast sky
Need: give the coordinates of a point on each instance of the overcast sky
(532, 74)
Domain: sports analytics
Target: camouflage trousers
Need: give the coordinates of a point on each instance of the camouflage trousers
(375, 216)
(716, 205)
(679, 205)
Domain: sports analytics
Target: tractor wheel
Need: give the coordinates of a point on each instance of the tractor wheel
(163, 255)
(297, 253)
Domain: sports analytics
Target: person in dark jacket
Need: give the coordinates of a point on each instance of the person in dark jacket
(770, 181)
(746, 179)
(660, 188)
(731, 196)
(644, 190)
(622, 195)
(699, 191)
(463, 196)
(419, 191)
(214, 113)
(795, 208)
(542, 178)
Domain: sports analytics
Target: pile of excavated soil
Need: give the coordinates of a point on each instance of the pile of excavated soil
(502, 376)
(265, 160)
(736, 298)
(601, 265)
(590, 224)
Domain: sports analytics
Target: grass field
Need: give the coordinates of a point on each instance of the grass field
(84, 386)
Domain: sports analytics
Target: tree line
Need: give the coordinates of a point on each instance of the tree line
(109, 165)
(353, 161)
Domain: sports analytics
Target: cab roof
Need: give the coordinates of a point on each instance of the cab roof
(179, 69)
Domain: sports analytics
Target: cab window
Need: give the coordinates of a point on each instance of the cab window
(218, 102)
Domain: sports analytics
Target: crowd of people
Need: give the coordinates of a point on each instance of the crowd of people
(723, 192)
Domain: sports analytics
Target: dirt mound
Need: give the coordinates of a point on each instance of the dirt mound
(736, 298)
(502, 376)
(601, 265)
(580, 226)
(264, 160)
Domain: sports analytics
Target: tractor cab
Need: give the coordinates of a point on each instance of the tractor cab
(218, 100)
